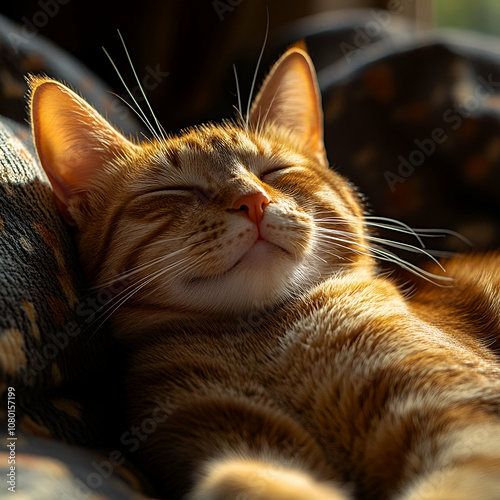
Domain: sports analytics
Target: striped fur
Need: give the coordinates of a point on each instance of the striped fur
(286, 368)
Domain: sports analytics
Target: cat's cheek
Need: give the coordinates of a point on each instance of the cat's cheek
(293, 234)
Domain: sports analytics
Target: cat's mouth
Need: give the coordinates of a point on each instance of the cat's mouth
(257, 255)
(258, 251)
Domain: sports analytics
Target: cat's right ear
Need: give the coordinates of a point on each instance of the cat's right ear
(290, 98)
(75, 144)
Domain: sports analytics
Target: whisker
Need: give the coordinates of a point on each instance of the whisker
(238, 93)
(432, 232)
(137, 269)
(387, 256)
(163, 241)
(383, 241)
(326, 247)
(160, 128)
(141, 118)
(136, 287)
(139, 110)
(405, 229)
(256, 71)
(398, 226)
(268, 109)
(180, 270)
(338, 242)
(188, 263)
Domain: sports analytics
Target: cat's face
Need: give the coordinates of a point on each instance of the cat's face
(222, 219)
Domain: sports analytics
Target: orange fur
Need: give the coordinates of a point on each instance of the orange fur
(253, 307)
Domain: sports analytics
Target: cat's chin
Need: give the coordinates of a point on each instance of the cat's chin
(263, 276)
(260, 254)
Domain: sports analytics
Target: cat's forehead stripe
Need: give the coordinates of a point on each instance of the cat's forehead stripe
(228, 147)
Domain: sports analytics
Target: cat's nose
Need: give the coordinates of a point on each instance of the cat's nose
(253, 204)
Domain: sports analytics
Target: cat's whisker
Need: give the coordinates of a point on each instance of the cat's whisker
(418, 234)
(254, 80)
(164, 241)
(238, 94)
(387, 256)
(153, 277)
(139, 112)
(326, 247)
(137, 269)
(432, 232)
(357, 251)
(405, 229)
(329, 240)
(382, 241)
(349, 239)
(318, 257)
(268, 110)
(141, 282)
(259, 125)
(424, 233)
(432, 254)
(140, 116)
(181, 270)
(121, 298)
(398, 226)
(161, 130)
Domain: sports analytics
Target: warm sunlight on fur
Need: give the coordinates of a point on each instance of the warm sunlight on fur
(260, 481)
(253, 308)
(195, 255)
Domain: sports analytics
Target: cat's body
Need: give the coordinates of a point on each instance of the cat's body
(285, 368)
(347, 382)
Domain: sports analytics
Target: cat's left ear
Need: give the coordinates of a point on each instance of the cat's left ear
(75, 144)
(290, 98)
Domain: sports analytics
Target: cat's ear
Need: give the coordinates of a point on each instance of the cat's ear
(75, 144)
(290, 98)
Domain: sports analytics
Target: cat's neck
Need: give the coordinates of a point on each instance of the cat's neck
(131, 321)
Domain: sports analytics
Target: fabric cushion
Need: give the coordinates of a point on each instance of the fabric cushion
(49, 335)
(55, 349)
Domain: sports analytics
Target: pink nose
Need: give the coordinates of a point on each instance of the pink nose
(253, 204)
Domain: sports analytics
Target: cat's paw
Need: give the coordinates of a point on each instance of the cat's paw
(251, 480)
(478, 479)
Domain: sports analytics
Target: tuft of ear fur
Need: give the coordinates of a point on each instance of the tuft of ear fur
(290, 98)
(73, 141)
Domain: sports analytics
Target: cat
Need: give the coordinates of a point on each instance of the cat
(291, 367)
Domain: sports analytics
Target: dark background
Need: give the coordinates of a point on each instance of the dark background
(195, 41)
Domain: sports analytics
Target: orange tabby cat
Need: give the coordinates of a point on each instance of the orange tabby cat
(290, 369)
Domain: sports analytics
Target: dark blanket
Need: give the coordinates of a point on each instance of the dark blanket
(417, 128)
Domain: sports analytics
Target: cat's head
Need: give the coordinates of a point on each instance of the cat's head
(220, 219)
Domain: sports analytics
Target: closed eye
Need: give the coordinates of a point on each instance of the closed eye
(169, 190)
(273, 171)
(180, 190)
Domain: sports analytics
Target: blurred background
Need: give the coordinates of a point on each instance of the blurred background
(189, 46)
